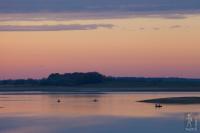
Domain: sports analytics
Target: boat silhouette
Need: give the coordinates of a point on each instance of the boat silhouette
(95, 100)
(158, 105)
(58, 100)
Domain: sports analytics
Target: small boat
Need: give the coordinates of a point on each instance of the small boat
(58, 100)
(158, 105)
(95, 100)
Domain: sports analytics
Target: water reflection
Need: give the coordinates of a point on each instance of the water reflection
(117, 104)
(116, 112)
(95, 124)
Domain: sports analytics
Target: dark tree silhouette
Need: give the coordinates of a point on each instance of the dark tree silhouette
(95, 79)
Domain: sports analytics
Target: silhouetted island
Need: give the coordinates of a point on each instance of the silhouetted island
(96, 82)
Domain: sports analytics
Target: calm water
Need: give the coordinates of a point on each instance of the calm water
(77, 113)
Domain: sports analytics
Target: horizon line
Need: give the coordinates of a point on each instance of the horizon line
(150, 77)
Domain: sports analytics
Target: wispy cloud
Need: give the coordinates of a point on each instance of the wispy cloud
(175, 26)
(89, 15)
(156, 28)
(54, 27)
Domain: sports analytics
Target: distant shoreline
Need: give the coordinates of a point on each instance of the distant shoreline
(94, 89)
(174, 100)
(4, 93)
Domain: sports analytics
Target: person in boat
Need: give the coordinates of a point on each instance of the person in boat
(95, 100)
(58, 100)
(158, 105)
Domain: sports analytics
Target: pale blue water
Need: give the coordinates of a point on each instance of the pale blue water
(77, 113)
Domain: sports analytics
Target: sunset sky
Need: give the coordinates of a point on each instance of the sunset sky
(151, 38)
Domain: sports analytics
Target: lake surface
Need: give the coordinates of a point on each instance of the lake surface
(77, 113)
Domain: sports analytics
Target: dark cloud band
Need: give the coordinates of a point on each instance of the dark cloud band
(32, 6)
(55, 27)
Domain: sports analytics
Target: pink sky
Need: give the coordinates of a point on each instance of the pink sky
(147, 46)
